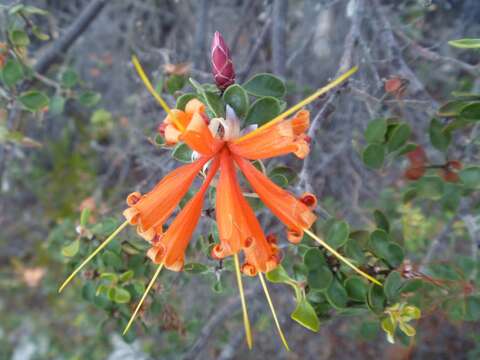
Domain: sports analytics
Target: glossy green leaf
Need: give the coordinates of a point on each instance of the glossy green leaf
(89, 98)
(56, 105)
(354, 251)
(379, 242)
(12, 72)
(71, 249)
(182, 100)
(471, 112)
(19, 37)
(306, 316)
(126, 276)
(237, 98)
(439, 138)
(411, 286)
(376, 131)
(195, 268)
(33, 100)
(466, 43)
(376, 298)
(182, 153)
(175, 83)
(381, 220)
(392, 286)
(278, 275)
(320, 278)
(215, 104)
(430, 187)
(338, 234)
(265, 85)
(262, 111)
(314, 259)
(399, 137)
(121, 296)
(470, 177)
(373, 156)
(337, 295)
(69, 78)
(395, 255)
(356, 288)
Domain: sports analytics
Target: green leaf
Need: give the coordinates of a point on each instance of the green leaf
(195, 268)
(466, 43)
(71, 249)
(69, 78)
(12, 72)
(338, 234)
(126, 276)
(392, 286)
(395, 255)
(237, 98)
(373, 156)
(389, 327)
(182, 153)
(439, 138)
(121, 296)
(57, 105)
(472, 308)
(19, 38)
(376, 298)
(356, 288)
(84, 217)
(278, 275)
(282, 176)
(314, 259)
(112, 259)
(306, 316)
(354, 251)
(175, 83)
(430, 187)
(39, 34)
(411, 286)
(376, 131)
(263, 110)
(89, 98)
(398, 137)
(337, 295)
(88, 291)
(319, 278)
(452, 108)
(381, 220)
(215, 104)
(379, 242)
(262, 85)
(471, 112)
(33, 100)
(470, 177)
(109, 277)
(182, 100)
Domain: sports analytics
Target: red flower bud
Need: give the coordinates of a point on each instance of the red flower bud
(222, 65)
(417, 156)
(414, 173)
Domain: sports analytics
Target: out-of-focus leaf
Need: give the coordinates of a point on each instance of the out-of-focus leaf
(89, 98)
(19, 37)
(373, 156)
(470, 177)
(306, 316)
(398, 137)
(376, 131)
(33, 100)
(439, 138)
(71, 249)
(69, 78)
(465, 43)
(265, 85)
(12, 72)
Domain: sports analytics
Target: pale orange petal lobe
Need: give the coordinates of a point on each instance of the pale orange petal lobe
(198, 137)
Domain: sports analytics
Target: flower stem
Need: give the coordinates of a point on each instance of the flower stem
(92, 255)
(144, 296)
(270, 303)
(246, 321)
(342, 258)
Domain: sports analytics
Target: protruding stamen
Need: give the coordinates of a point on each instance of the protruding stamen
(144, 296)
(152, 91)
(340, 257)
(270, 303)
(301, 104)
(92, 255)
(246, 321)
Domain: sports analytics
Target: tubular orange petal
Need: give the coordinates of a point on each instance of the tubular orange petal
(198, 137)
(152, 209)
(280, 139)
(292, 212)
(170, 249)
(230, 221)
(172, 133)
